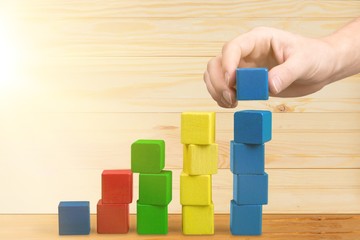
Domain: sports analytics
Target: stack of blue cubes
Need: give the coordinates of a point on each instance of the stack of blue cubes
(252, 129)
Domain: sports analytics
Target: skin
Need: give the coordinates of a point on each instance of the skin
(297, 65)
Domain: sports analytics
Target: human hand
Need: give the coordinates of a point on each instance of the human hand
(297, 65)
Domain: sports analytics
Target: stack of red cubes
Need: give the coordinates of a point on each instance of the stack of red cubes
(113, 207)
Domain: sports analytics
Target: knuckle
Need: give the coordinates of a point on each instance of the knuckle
(225, 47)
(210, 64)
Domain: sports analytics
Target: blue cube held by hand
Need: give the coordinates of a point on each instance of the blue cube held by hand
(252, 84)
(252, 126)
(74, 218)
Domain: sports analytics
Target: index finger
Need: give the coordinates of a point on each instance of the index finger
(239, 48)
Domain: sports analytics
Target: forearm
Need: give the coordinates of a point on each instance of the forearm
(346, 44)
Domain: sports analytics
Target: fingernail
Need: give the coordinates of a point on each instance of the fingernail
(227, 78)
(276, 83)
(227, 97)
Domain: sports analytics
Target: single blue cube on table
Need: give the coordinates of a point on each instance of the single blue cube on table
(252, 84)
(74, 218)
(247, 158)
(250, 189)
(252, 126)
(245, 220)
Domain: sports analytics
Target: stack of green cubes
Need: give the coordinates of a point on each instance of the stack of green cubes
(155, 186)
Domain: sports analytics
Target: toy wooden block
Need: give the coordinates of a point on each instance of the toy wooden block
(252, 126)
(155, 188)
(252, 84)
(117, 186)
(195, 190)
(74, 218)
(245, 220)
(198, 220)
(250, 189)
(112, 218)
(152, 219)
(148, 156)
(200, 159)
(247, 158)
(197, 127)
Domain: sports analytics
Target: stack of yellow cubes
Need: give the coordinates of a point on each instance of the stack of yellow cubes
(199, 163)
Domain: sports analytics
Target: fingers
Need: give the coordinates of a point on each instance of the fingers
(241, 47)
(221, 102)
(218, 88)
(298, 90)
(283, 75)
(259, 47)
(210, 87)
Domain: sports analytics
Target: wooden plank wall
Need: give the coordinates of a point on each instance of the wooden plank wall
(81, 80)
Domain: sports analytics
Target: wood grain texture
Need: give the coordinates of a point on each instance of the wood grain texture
(40, 101)
(290, 190)
(141, 84)
(141, 77)
(154, 37)
(279, 227)
(90, 77)
(96, 140)
(188, 8)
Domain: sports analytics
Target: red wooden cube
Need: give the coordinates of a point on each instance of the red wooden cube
(112, 218)
(117, 186)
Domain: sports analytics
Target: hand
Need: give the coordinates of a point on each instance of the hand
(297, 65)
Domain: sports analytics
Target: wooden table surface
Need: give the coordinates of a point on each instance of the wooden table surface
(274, 227)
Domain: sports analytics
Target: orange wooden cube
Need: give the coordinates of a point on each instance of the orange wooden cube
(112, 218)
(117, 186)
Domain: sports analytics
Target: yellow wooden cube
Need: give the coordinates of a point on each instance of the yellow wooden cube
(197, 127)
(200, 159)
(198, 220)
(195, 190)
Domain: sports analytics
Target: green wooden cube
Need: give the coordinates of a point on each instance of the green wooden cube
(152, 219)
(148, 156)
(155, 188)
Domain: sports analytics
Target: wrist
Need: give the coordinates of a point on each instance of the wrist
(336, 60)
(346, 51)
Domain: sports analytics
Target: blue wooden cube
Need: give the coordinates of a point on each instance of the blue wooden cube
(252, 126)
(252, 84)
(250, 189)
(247, 158)
(74, 218)
(245, 220)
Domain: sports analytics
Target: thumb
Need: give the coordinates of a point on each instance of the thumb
(283, 75)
